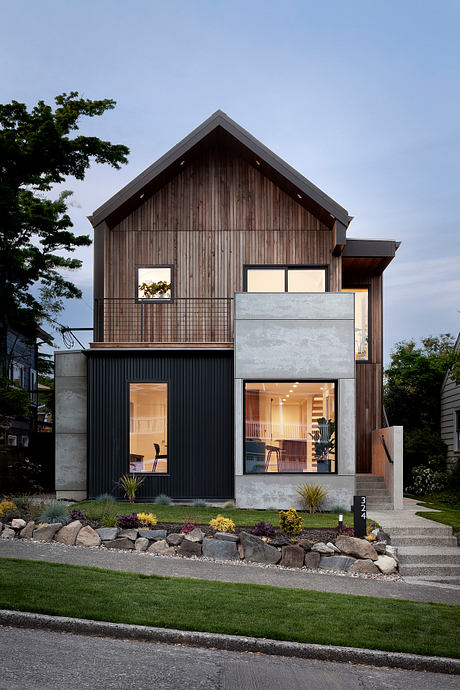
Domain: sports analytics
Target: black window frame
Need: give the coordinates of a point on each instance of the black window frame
(150, 300)
(336, 421)
(287, 268)
(128, 402)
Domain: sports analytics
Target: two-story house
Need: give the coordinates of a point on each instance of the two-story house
(237, 334)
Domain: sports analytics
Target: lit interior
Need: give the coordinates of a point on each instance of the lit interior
(361, 322)
(304, 280)
(265, 280)
(153, 275)
(148, 427)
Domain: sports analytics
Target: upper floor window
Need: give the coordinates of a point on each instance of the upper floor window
(361, 322)
(285, 279)
(154, 282)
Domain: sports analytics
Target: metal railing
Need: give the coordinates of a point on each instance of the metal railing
(182, 320)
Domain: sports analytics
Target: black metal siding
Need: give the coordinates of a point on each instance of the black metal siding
(200, 421)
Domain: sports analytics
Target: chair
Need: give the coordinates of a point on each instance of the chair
(158, 456)
(271, 450)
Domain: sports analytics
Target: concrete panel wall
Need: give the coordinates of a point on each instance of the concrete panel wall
(290, 336)
(71, 424)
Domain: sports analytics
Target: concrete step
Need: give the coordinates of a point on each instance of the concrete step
(379, 505)
(451, 581)
(375, 493)
(429, 530)
(402, 541)
(449, 555)
(429, 570)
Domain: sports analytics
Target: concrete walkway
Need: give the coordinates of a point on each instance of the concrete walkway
(151, 564)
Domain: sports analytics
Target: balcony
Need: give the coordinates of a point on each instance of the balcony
(185, 320)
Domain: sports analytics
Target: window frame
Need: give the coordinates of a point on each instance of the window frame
(456, 412)
(354, 289)
(152, 300)
(128, 403)
(287, 268)
(336, 420)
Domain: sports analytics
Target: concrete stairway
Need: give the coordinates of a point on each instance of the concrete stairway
(373, 487)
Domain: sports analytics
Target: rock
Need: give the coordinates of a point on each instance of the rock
(305, 544)
(392, 551)
(195, 535)
(364, 566)
(338, 563)
(18, 523)
(108, 533)
(383, 536)
(88, 537)
(279, 541)
(129, 534)
(386, 565)
(189, 548)
(141, 544)
(292, 556)
(47, 532)
(380, 546)
(375, 531)
(220, 549)
(240, 550)
(161, 547)
(333, 547)
(312, 559)
(225, 536)
(257, 551)
(68, 534)
(122, 543)
(154, 534)
(320, 547)
(359, 548)
(7, 533)
(175, 538)
(28, 531)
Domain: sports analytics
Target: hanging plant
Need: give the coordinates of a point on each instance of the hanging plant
(159, 290)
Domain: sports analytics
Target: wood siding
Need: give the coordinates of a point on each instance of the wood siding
(450, 400)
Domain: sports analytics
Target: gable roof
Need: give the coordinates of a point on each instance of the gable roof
(218, 124)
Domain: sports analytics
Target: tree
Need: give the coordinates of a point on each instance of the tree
(412, 397)
(37, 151)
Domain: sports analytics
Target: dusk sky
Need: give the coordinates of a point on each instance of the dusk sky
(361, 97)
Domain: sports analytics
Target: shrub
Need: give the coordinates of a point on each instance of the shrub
(7, 508)
(163, 500)
(55, 512)
(222, 524)
(76, 514)
(263, 529)
(128, 521)
(313, 495)
(199, 503)
(105, 498)
(191, 522)
(147, 519)
(130, 484)
(229, 505)
(290, 522)
(109, 520)
(426, 481)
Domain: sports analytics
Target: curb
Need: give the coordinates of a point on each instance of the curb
(233, 643)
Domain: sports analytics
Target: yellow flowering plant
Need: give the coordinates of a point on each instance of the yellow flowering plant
(290, 522)
(147, 519)
(7, 507)
(222, 524)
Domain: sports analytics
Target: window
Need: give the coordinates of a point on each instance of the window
(289, 427)
(148, 427)
(361, 322)
(285, 279)
(457, 430)
(154, 283)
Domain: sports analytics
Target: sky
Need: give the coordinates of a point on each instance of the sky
(360, 97)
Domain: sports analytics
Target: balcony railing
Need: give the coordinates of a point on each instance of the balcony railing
(183, 320)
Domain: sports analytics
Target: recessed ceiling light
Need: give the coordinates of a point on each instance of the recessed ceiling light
(142, 196)
(182, 163)
(299, 196)
(257, 162)
(287, 396)
(291, 391)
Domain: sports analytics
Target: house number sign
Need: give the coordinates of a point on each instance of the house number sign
(360, 515)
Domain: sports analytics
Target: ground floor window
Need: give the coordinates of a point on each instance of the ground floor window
(289, 426)
(148, 427)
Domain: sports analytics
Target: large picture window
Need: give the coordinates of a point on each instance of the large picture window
(285, 279)
(148, 427)
(361, 322)
(290, 426)
(154, 283)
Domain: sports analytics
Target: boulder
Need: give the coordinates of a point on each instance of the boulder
(68, 534)
(28, 531)
(196, 535)
(175, 538)
(358, 548)
(312, 559)
(386, 565)
(305, 544)
(380, 546)
(333, 547)
(220, 549)
(18, 523)
(391, 551)
(47, 532)
(279, 541)
(122, 543)
(161, 547)
(320, 547)
(383, 536)
(88, 537)
(292, 556)
(7, 533)
(129, 534)
(190, 548)
(258, 551)
(225, 536)
(364, 566)
(153, 534)
(141, 544)
(108, 533)
(338, 563)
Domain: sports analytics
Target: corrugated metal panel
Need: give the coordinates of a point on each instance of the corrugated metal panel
(200, 424)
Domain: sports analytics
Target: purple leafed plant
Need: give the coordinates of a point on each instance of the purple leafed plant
(263, 529)
(191, 522)
(76, 514)
(346, 531)
(128, 521)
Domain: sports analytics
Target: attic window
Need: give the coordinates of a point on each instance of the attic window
(154, 283)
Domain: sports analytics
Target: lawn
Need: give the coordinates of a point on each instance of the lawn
(449, 515)
(234, 609)
(177, 513)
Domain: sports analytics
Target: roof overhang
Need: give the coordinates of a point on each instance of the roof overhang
(370, 256)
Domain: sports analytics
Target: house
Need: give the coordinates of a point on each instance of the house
(237, 334)
(450, 416)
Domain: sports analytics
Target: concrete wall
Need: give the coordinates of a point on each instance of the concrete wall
(290, 336)
(71, 424)
(382, 467)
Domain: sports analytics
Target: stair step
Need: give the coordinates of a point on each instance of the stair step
(378, 505)
(423, 555)
(450, 580)
(402, 541)
(423, 530)
(429, 569)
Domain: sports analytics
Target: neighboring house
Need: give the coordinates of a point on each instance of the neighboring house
(450, 416)
(237, 334)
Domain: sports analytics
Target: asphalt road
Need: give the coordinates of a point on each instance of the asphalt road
(35, 659)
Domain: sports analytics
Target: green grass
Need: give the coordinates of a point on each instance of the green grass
(449, 515)
(177, 513)
(235, 609)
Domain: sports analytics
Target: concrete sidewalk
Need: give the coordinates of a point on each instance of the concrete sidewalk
(151, 564)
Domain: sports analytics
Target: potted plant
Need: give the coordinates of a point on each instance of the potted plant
(159, 290)
(324, 440)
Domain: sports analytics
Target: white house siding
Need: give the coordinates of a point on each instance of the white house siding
(450, 400)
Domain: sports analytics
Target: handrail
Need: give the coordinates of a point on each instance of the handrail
(387, 452)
